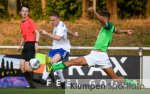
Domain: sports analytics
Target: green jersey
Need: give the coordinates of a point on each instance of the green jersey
(104, 38)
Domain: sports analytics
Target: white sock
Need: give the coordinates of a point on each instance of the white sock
(45, 74)
(60, 74)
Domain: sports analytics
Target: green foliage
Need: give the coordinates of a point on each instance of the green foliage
(127, 8)
(101, 5)
(68, 9)
(72, 9)
(3, 9)
(131, 8)
(35, 8)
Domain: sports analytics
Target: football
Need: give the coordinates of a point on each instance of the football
(34, 63)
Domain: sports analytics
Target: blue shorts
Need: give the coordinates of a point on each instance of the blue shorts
(63, 53)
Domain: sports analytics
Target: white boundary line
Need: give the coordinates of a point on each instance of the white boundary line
(82, 47)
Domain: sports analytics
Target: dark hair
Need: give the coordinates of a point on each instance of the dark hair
(105, 14)
(25, 6)
(55, 13)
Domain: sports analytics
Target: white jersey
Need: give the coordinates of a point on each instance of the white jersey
(61, 30)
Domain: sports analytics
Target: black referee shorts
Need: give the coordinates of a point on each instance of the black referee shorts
(28, 51)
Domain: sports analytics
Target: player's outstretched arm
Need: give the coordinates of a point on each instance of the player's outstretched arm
(75, 34)
(37, 39)
(98, 16)
(37, 35)
(55, 37)
(129, 32)
(21, 44)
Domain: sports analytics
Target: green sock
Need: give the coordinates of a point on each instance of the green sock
(130, 82)
(58, 66)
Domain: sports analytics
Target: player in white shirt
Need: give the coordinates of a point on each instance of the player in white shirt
(61, 45)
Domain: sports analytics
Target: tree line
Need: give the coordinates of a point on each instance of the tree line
(75, 9)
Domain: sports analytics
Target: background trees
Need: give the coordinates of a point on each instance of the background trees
(43, 3)
(12, 7)
(148, 9)
(75, 9)
(111, 6)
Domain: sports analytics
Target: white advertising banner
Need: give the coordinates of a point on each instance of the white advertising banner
(6, 62)
(146, 71)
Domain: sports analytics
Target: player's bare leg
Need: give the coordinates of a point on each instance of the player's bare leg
(56, 58)
(27, 67)
(22, 65)
(82, 62)
(110, 72)
(50, 61)
(76, 62)
(27, 72)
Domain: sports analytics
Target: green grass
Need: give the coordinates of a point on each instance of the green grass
(97, 91)
(70, 91)
(32, 91)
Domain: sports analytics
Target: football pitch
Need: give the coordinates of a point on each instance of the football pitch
(63, 91)
(32, 91)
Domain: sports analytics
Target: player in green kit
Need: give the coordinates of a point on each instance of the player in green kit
(98, 55)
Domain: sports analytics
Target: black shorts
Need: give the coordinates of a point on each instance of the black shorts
(28, 51)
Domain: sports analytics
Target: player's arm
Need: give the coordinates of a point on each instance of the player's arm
(21, 44)
(55, 37)
(34, 28)
(37, 36)
(129, 32)
(75, 34)
(98, 16)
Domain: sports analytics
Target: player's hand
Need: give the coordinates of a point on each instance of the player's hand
(129, 32)
(76, 34)
(36, 46)
(44, 32)
(18, 49)
(90, 9)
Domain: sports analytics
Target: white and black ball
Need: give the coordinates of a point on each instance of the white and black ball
(34, 63)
